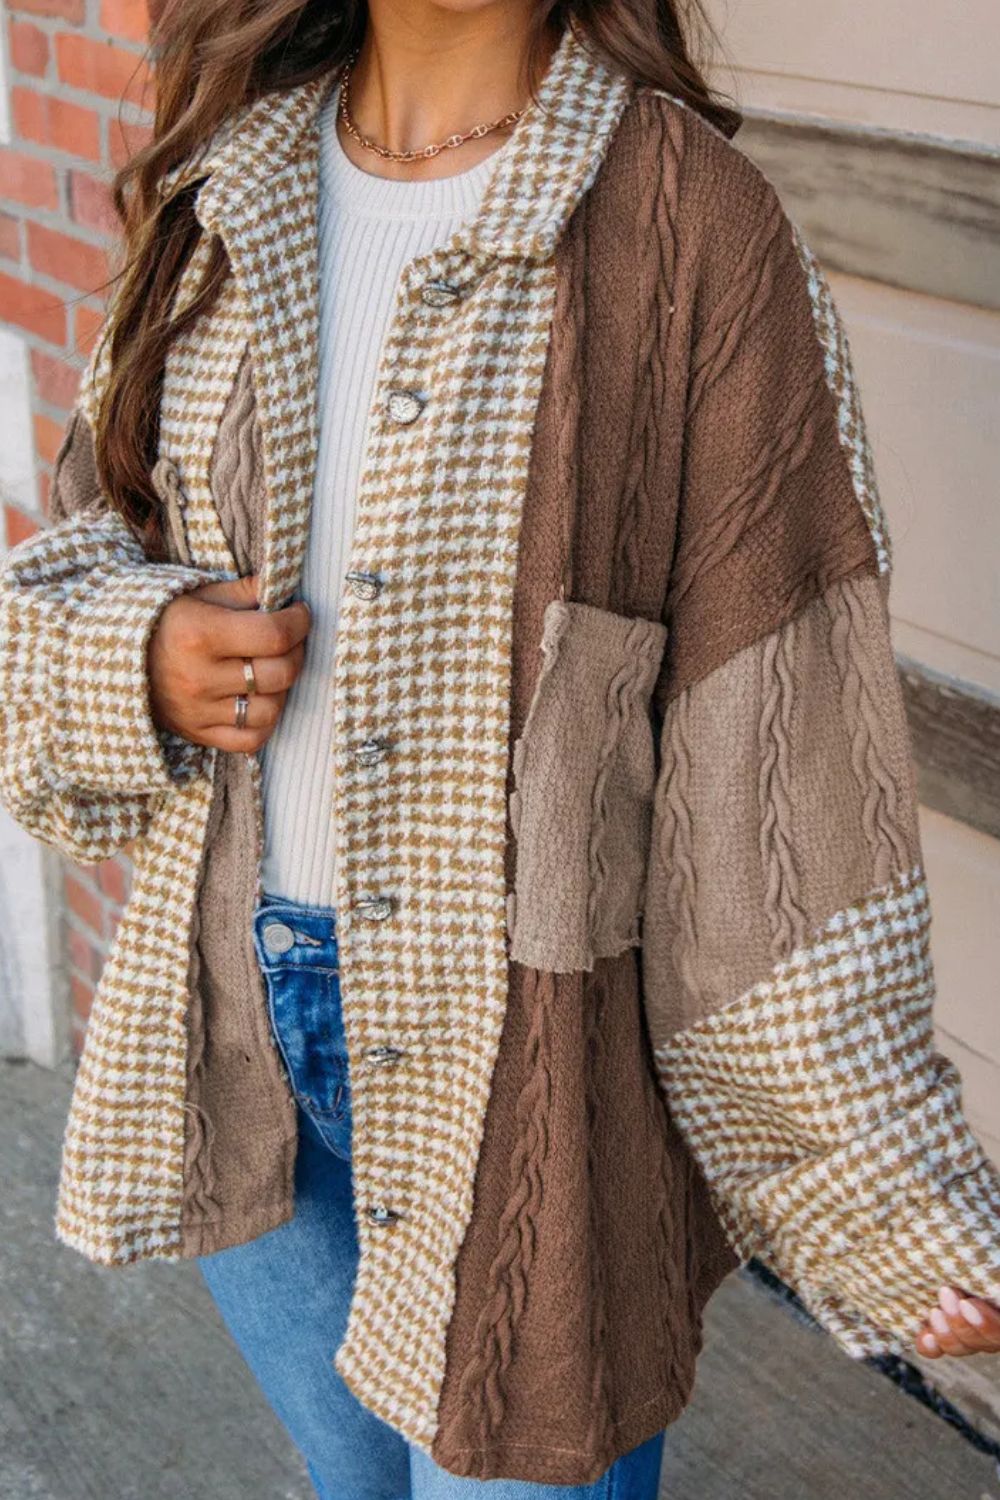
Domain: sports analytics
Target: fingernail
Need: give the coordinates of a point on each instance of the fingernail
(970, 1312)
(930, 1343)
(939, 1321)
(949, 1300)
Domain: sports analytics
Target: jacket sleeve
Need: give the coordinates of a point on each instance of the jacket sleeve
(81, 758)
(787, 971)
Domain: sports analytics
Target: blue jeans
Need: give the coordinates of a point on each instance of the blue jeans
(284, 1296)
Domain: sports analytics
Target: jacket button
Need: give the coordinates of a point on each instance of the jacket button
(371, 752)
(383, 1056)
(439, 293)
(375, 908)
(363, 585)
(405, 406)
(278, 938)
(379, 1214)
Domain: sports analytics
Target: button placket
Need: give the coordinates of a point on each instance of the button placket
(402, 406)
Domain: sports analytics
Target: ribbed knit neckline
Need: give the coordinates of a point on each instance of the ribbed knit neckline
(357, 192)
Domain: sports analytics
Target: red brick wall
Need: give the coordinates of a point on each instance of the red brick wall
(69, 64)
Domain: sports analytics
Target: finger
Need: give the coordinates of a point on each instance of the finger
(248, 741)
(978, 1330)
(232, 593)
(978, 1314)
(272, 674)
(263, 711)
(228, 632)
(927, 1343)
(952, 1335)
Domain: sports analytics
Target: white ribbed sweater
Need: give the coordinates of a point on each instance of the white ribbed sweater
(369, 227)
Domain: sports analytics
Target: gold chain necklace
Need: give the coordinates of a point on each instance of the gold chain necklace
(421, 153)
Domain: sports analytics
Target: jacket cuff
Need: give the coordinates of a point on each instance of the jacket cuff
(867, 1234)
(108, 739)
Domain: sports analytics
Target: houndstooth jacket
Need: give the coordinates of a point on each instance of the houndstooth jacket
(633, 907)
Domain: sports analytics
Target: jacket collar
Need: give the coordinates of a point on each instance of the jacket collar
(550, 160)
(259, 195)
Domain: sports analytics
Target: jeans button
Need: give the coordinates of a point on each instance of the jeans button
(278, 938)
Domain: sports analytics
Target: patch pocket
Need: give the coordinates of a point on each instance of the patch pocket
(584, 777)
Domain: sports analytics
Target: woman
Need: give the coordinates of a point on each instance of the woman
(493, 983)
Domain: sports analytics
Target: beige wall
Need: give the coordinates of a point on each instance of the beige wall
(933, 69)
(929, 371)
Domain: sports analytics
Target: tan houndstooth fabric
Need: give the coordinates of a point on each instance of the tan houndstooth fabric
(117, 1114)
(832, 1133)
(81, 761)
(438, 517)
(840, 375)
(438, 521)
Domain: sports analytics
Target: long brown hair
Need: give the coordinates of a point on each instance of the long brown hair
(214, 57)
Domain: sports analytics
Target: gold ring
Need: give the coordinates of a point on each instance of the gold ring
(251, 680)
(242, 704)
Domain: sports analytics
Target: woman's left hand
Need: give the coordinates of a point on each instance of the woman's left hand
(960, 1325)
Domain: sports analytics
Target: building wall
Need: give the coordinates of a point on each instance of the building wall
(884, 137)
(933, 72)
(879, 133)
(64, 65)
(882, 130)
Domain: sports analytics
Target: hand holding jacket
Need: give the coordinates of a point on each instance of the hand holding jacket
(195, 663)
(960, 1325)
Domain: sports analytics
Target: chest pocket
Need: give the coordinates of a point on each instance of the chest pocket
(584, 777)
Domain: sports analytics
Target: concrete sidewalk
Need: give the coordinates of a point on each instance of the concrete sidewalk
(124, 1386)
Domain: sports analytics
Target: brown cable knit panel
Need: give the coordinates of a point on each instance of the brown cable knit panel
(769, 515)
(241, 1137)
(782, 813)
(75, 482)
(584, 1185)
